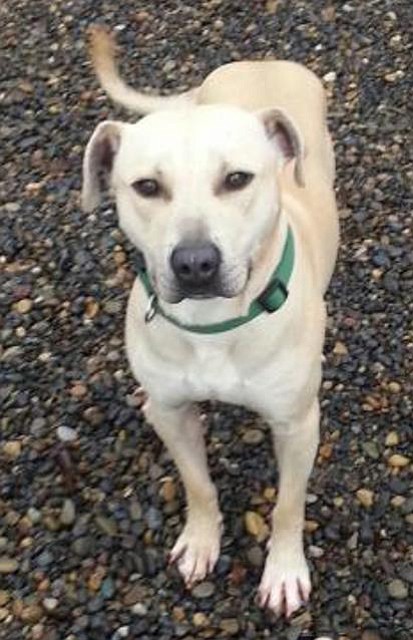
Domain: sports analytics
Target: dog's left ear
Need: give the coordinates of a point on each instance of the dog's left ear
(288, 140)
(99, 156)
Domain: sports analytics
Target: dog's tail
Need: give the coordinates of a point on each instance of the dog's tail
(102, 51)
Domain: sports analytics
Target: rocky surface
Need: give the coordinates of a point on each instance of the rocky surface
(89, 500)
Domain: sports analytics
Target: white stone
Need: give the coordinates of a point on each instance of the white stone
(66, 434)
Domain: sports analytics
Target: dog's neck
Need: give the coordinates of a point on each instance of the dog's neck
(264, 263)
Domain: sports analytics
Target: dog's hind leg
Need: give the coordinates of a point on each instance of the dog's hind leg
(285, 584)
(197, 549)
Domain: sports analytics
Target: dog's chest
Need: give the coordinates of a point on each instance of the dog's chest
(212, 374)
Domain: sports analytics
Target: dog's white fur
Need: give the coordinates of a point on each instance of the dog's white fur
(252, 116)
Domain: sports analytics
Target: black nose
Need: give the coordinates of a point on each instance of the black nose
(195, 266)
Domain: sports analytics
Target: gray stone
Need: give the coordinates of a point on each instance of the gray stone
(255, 556)
(371, 449)
(82, 546)
(44, 559)
(38, 427)
(398, 589)
(68, 513)
(203, 590)
(34, 515)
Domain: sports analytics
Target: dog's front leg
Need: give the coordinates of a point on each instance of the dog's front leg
(286, 583)
(197, 548)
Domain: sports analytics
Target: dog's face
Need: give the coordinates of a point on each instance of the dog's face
(196, 191)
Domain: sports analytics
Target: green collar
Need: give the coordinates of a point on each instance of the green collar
(270, 300)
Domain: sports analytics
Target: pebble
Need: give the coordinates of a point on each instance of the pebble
(352, 542)
(340, 349)
(330, 76)
(392, 439)
(95, 580)
(326, 451)
(199, 619)
(93, 416)
(397, 501)
(370, 635)
(371, 449)
(253, 436)
(365, 497)
(107, 525)
(45, 559)
(135, 511)
(398, 589)
(37, 427)
(12, 449)
(66, 434)
(203, 590)
(168, 489)
(4, 598)
(311, 525)
(4, 614)
(142, 16)
(91, 308)
(68, 513)
(50, 604)
(23, 306)
(38, 632)
(32, 613)
(229, 626)
(82, 546)
(154, 518)
(398, 461)
(256, 525)
(34, 515)
(255, 556)
(95, 604)
(315, 552)
(139, 609)
(107, 590)
(78, 390)
(406, 573)
(8, 565)
(12, 353)
(134, 595)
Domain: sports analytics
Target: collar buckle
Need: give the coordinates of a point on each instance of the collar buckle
(264, 299)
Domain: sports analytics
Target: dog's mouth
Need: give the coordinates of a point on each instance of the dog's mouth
(228, 283)
(230, 287)
(213, 291)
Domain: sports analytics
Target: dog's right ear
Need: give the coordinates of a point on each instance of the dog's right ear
(99, 156)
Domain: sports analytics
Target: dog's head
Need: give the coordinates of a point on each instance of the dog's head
(196, 191)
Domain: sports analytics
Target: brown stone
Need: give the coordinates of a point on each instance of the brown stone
(135, 594)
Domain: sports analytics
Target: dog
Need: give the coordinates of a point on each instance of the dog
(227, 190)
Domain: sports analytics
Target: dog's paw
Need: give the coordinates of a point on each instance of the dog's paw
(285, 584)
(197, 549)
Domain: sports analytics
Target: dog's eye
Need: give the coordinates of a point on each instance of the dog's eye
(237, 180)
(148, 188)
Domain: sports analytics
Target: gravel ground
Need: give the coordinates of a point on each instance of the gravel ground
(85, 524)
